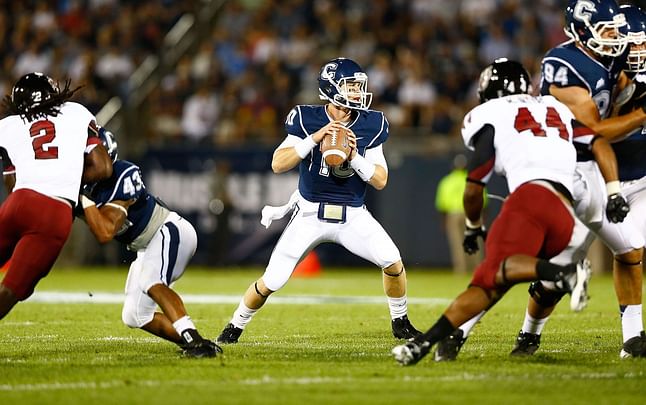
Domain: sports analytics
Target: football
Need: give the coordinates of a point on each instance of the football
(335, 148)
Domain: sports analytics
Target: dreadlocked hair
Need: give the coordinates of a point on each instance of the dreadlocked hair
(49, 107)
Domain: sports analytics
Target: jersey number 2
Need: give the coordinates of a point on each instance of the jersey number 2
(525, 121)
(43, 134)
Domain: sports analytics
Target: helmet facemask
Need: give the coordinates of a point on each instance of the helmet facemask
(606, 38)
(352, 92)
(637, 56)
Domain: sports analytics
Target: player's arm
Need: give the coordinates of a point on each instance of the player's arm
(294, 149)
(97, 165)
(372, 168)
(479, 167)
(585, 111)
(616, 207)
(8, 171)
(9, 182)
(106, 221)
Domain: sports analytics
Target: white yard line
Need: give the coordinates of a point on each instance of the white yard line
(59, 297)
(313, 380)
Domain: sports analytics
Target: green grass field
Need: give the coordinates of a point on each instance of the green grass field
(334, 352)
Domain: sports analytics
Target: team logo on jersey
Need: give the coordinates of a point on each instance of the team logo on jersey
(600, 84)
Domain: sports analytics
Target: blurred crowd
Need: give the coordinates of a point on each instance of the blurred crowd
(261, 57)
(422, 58)
(95, 43)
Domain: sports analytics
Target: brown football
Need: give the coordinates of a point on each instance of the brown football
(335, 148)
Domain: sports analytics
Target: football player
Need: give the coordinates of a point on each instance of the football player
(528, 140)
(585, 73)
(582, 66)
(121, 208)
(45, 144)
(329, 205)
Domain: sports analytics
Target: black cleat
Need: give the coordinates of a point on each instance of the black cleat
(411, 352)
(526, 344)
(449, 347)
(196, 346)
(201, 348)
(230, 334)
(403, 329)
(634, 347)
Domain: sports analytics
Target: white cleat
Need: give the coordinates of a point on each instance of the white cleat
(579, 295)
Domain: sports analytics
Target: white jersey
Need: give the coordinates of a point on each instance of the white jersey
(532, 138)
(48, 153)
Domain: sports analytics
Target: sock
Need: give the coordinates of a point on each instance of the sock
(441, 329)
(533, 325)
(468, 325)
(552, 272)
(182, 324)
(631, 320)
(398, 307)
(242, 316)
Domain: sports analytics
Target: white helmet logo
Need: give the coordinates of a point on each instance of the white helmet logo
(327, 73)
(583, 10)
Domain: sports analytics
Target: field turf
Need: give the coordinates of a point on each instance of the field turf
(332, 349)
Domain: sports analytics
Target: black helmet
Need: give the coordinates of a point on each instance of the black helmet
(503, 78)
(31, 91)
(109, 142)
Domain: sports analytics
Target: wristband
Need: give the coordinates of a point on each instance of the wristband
(86, 202)
(304, 146)
(473, 225)
(363, 167)
(613, 187)
(117, 206)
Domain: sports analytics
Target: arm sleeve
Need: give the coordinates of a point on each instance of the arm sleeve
(376, 156)
(289, 141)
(481, 163)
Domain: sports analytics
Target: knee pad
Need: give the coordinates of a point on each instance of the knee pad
(544, 297)
(133, 318)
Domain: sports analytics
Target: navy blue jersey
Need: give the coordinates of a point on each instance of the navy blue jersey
(319, 182)
(567, 65)
(631, 156)
(631, 151)
(126, 184)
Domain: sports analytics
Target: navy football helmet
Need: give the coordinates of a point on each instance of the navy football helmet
(503, 78)
(343, 83)
(109, 142)
(636, 36)
(31, 91)
(598, 24)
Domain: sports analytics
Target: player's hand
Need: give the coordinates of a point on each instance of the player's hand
(352, 142)
(470, 243)
(617, 208)
(325, 130)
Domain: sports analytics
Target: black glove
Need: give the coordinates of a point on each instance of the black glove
(470, 243)
(617, 208)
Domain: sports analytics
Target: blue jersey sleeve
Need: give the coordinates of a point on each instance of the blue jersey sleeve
(379, 128)
(294, 123)
(557, 71)
(125, 184)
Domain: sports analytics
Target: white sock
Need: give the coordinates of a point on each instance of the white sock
(631, 321)
(398, 307)
(533, 325)
(182, 324)
(242, 316)
(468, 325)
